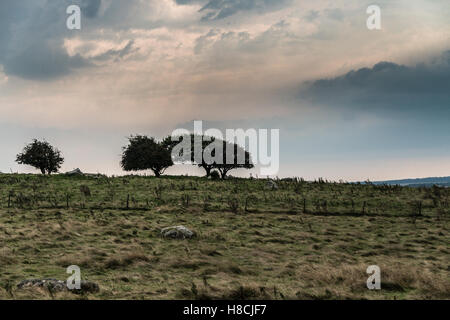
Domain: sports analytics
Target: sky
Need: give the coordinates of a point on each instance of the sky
(350, 103)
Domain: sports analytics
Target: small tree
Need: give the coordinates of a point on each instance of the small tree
(143, 153)
(41, 155)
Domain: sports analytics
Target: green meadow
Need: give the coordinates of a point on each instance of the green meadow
(289, 239)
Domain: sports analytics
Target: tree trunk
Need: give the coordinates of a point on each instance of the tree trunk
(223, 174)
(208, 171)
(42, 170)
(157, 173)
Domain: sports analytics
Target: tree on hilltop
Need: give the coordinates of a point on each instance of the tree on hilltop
(144, 153)
(41, 155)
(209, 153)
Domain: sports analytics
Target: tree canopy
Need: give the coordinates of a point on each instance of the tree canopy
(41, 155)
(194, 143)
(237, 158)
(144, 153)
(209, 153)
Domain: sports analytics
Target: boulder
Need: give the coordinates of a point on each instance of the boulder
(51, 284)
(55, 285)
(271, 185)
(177, 232)
(75, 172)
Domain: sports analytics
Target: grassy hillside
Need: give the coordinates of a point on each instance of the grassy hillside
(298, 240)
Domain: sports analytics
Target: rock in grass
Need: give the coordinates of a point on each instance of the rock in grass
(271, 185)
(177, 232)
(75, 172)
(55, 285)
(52, 284)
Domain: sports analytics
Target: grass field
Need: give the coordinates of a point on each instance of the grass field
(301, 240)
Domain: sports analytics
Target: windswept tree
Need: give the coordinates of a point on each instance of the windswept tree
(41, 155)
(144, 153)
(209, 153)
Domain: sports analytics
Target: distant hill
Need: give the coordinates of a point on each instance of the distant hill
(420, 182)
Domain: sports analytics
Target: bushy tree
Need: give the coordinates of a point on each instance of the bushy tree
(41, 155)
(215, 148)
(143, 153)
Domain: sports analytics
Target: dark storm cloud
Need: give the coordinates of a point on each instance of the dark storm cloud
(31, 36)
(10, 12)
(220, 9)
(388, 87)
(43, 61)
(90, 8)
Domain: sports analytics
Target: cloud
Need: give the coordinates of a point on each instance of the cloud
(43, 61)
(116, 54)
(3, 77)
(221, 9)
(90, 8)
(144, 66)
(312, 15)
(388, 88)
(33, 34)
(32, 40)
(335, 14)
